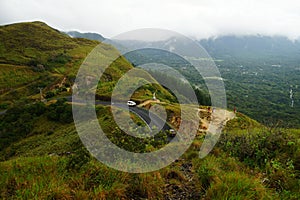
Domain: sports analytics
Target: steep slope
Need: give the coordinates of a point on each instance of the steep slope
(34, 55)
(34, 43)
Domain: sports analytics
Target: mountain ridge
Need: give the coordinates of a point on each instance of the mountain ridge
(86, 35)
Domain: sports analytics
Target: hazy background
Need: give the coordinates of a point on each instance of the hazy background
(195, 18)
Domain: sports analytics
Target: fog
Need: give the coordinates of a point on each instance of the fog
(194, 18)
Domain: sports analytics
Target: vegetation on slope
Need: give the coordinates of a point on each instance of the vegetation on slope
(244, 164)
(42, 156)
(34, 55)
(35, 43)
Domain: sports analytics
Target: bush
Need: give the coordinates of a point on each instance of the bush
(256, 149)
(77, 159)
(18, 122)
(4, 105)
(50, 94)
(60, 112)
(274, 152)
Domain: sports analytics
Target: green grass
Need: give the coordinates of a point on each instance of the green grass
(12, 76)
(236, 185)
(49, 161)
(223, 177)
(37, 177)
(24, 43)
(42, 157)
(274, 152)
(35, 55)
(242, 124)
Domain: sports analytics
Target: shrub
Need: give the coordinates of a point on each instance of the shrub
(60, 111)
(256, 149)
(77, 159)
(274, 152)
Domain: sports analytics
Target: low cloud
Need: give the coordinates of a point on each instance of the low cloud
(195, 18)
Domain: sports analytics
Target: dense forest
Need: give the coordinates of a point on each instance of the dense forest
(258, 79)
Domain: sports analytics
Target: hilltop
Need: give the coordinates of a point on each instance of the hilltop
(34, 55)
(33, 43)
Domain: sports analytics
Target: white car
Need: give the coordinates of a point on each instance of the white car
(172, 132)
(131, 103)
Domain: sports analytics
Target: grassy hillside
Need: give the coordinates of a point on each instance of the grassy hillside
(34, 55)
(36, 43)
(248, 164)
(42, 157)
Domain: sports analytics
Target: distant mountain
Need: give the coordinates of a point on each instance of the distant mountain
(230, 46)
(258, 72)
(91, 36)
(252, 47)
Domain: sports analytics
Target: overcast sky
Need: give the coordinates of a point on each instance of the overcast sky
(194, 18)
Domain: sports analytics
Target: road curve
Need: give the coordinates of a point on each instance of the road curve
(140, 112)
(145, 116)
